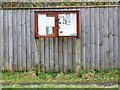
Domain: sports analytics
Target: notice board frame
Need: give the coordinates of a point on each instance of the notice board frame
(55, 14)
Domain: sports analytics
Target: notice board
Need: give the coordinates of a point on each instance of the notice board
(57, 24)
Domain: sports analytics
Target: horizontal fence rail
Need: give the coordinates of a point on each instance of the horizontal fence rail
(97, 47)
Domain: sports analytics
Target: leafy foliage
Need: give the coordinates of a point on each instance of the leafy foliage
(54, 4)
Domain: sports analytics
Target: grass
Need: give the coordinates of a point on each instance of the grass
(91, 76)
(57, 86)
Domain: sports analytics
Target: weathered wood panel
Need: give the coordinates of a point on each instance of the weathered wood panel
(1, 40)
(106, 34)
(102, 43)
(47, 57)
(32, 39)
(42, 55)
(5, 37)
(10, 40)
(28, 39)
(118, 36)
(92, 41)
(97, 47)
(87, 38)
(19, 45)
(56, 54)
(23, 40)
(65, 50)
(51, 55)
(69, 53)
(14, 19)
(115, 38)
(83, 40)
(111, 36)
(97, 36)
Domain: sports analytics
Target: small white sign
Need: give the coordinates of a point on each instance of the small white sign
(42, 24)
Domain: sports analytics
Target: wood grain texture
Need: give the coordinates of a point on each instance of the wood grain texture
(83, 40)
(23, 41)
(51, 55)
(47, 57)
(56, 54)
(10, 40)
(97, 36)
(111, 37)
(74, 54)
(69, 55)
(1, 40)
(115, 38)
(5, 36)
(97, 47)
(15, 55)
(28, 39)
(42, 54)
(65, 58)
(106, 36)
(119, 36)
(92, 41)
(19, 45)
(61, 54)
(87, 39)
(102, 53)
(32, 39)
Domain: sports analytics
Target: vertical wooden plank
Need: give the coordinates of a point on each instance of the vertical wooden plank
(101, 39)
(119, 35)
(42, 55)
(65, 54)
(111, 37)
(19, 40)
(5, 37)
(92, 42)
(97, 36)
(56, 54)
(10, 40)
(47, 53)
(51, 55)
(77, 50)
(115, 37)
(60, 54)
(83, 40)
(37, 54)
(14, 23)
(69, 55)
(32, 39)
(28, 39)
(106, 34)
(87, 35)
(1, 40)
(23, 38)
(74, 54)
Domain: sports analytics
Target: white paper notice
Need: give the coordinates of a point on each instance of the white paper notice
(50, 21)
(42, 24)
(73, 24)
(67, 24)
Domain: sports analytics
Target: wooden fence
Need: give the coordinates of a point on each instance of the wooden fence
(97, 46)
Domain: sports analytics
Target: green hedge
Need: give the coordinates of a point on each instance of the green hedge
(54, 4)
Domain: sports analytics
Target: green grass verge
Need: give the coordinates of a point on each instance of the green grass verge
(91, 76)
(57, 86)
